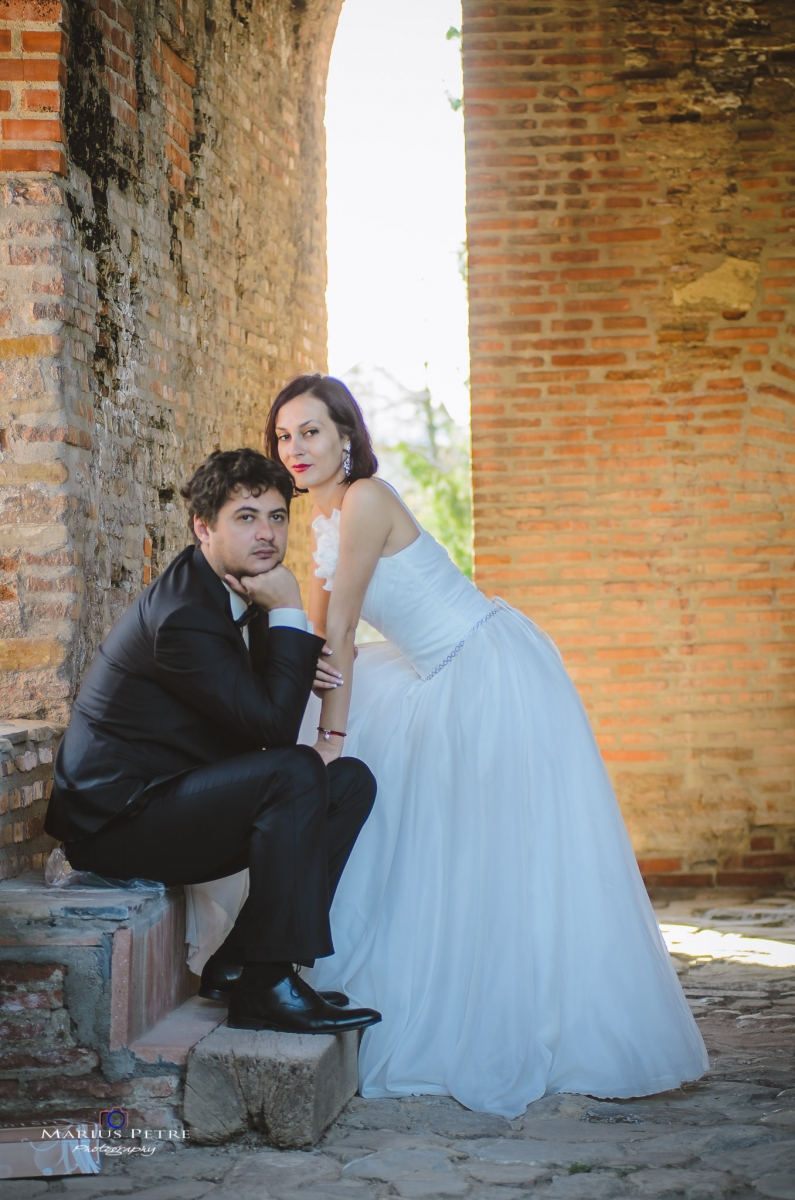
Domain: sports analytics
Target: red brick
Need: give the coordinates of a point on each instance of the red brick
(687, 879)
(177, 64)
(31, 10)
(766, 861)
(756, 879)
(647, 865)
(641, 234)
(43, 43)
(5, 101)
(33, 70)
(31, 130)
(33, 160)
(5, 41)
(41, 100)
(77, 1059)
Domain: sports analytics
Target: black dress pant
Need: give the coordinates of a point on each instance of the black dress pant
(284, 814)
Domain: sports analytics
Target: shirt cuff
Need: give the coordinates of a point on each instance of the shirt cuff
(291, 618)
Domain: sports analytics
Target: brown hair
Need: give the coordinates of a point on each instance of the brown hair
(227, 471)
(344, 412)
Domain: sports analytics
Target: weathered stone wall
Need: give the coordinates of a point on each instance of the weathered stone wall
(631, 209)
(27, 750)
(161, 282)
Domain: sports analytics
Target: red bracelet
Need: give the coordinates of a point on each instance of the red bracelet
(328, 732)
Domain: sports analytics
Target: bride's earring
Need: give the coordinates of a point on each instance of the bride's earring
(347, 462)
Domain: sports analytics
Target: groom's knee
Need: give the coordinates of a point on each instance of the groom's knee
(306, 772)
(352, 784)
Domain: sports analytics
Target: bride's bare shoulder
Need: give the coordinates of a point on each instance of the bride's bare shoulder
(368, 495)
(373, 509)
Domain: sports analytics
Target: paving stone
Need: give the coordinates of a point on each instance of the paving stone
(428, 1171)
(780, 1185)
(562, 1104)
(358, 1144)
(363, 1113)
(497, 1193)
(21, 1189)
(166, 1163)
(96, 1185)
(661, 1184)
(272, 1170)
(585, 1185)
(545, 1153)
(345, 1189)
(505, 1173)
(755, 1161)
(781, 1119)
(575, 1129)
(189, 1190)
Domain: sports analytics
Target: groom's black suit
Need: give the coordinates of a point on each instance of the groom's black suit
(162, 772)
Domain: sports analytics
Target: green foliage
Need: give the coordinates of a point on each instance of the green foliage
(452, 32)
(577, 1167)
(440, 490)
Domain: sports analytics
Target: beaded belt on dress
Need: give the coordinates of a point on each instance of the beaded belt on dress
(460, 646)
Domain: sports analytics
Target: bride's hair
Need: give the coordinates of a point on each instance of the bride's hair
(344, 412)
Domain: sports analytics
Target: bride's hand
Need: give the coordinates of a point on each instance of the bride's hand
(327, 750)
(325, 675)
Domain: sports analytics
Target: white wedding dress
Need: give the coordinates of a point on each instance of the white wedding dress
(492, 908)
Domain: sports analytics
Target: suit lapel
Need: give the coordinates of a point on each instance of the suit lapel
(218, 595)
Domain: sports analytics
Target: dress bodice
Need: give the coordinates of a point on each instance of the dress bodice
(417, 599)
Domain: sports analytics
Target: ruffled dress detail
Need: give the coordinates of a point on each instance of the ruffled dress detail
(327, 541)
(492, 908)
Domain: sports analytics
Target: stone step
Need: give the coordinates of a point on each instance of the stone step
(287, 1086)
(96, 1002)
(172, 1039)
(85, 973)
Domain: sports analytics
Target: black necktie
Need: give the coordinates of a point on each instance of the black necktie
(251, 612)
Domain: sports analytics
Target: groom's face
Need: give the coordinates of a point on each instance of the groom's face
(249, 536)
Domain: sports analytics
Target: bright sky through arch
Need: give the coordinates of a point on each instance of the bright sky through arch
(396, 196)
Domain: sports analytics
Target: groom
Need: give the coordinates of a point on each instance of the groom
(180, 761)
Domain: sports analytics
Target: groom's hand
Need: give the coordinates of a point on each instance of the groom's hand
(277, 588)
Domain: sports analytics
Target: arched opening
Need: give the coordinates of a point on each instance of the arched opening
(397, 301)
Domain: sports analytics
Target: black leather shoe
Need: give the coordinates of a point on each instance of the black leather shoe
(219, 976)
(291, 1006)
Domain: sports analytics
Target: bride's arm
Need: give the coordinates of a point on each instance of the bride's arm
(318, 605)
(365, 525)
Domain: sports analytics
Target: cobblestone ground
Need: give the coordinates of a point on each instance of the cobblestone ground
(731, 1134)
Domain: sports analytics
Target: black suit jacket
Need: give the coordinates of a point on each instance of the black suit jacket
(171, 688)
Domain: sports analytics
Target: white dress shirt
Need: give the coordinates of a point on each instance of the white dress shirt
(293, 618)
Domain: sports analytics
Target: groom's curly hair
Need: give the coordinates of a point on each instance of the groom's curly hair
(226, 472)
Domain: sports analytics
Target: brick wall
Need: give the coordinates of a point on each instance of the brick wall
(162, 274)
(27, 750)
(631, 217)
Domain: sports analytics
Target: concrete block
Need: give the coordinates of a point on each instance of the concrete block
(287, 1086)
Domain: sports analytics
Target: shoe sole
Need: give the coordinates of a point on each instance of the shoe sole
(214, 994)
(223, 997)
(257, 1025)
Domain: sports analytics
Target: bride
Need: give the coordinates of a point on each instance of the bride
(492, 908)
